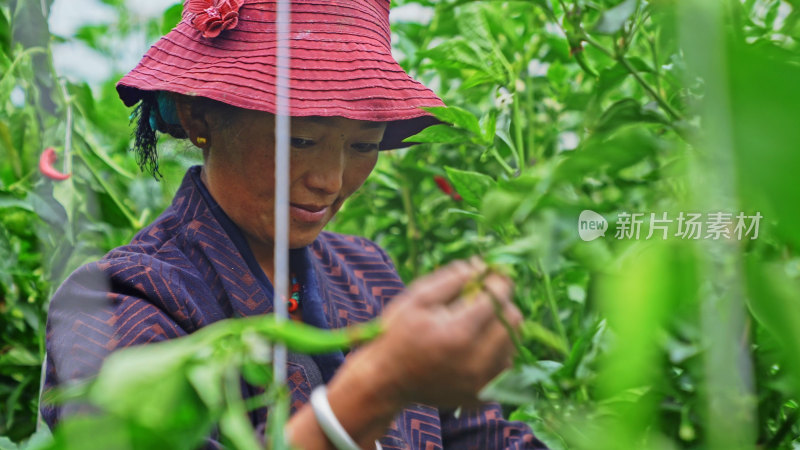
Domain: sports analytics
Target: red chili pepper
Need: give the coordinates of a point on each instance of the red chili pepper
(46, 162)
(445, 187)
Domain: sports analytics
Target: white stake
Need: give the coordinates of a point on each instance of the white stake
(282, 123)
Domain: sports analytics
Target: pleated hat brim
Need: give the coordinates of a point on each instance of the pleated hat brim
(341, 65)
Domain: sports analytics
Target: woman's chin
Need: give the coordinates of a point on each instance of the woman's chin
(300, 238)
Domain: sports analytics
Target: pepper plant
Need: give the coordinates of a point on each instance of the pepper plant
(556, 107)
(561, 107)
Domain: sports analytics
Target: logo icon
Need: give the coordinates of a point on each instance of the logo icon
(591, 225)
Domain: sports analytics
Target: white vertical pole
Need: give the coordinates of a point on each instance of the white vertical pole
(282, 131)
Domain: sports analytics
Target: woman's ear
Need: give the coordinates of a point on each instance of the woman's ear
(194, 120)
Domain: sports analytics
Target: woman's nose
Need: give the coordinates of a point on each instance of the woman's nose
(327, 171)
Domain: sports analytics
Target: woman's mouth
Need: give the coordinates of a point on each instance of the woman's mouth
(308, 213)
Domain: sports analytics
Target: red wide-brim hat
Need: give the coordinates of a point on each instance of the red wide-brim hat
(341, 62)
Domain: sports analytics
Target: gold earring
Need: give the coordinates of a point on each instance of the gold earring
(201, 140)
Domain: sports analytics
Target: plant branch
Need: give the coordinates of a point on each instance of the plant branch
(632, 70)
(658, 98)
(68, 133)
(518, 141)
(412, 233)
(509, 170)
(651, 41)
(551, 302)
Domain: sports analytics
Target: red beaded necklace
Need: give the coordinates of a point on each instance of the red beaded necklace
(293, 304)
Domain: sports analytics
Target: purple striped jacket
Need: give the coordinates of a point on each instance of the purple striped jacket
(192, 267)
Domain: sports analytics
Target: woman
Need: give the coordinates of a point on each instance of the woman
(209, 255)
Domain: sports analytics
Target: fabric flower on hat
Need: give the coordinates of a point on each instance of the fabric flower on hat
(212, 17)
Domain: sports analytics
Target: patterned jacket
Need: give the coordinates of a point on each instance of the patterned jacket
(192, 267)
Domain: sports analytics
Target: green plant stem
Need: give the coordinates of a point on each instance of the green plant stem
(660, 100)
(20, 180)
(234, 423)
(509, 170)
(564, 7)
(13, 153)
(627, 65)
(531, 128)
(589, 40)
(518, 141)
(513, 334)
(93, 147)
(68, 127)
(412, 233)
(114, 197)
(656, 65)
(478, 284)
(277, 419)
(551, 302)
(580, 58)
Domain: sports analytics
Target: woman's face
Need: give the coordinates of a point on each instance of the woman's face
(330, 159)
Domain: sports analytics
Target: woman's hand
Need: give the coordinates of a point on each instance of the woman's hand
(442, 345)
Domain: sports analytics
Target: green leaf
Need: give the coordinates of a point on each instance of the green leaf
(7, 444)
(5, 34)
(83, 99)
(454, 53)
(625, 112)
(442, 134)
(7, 201)
(95, 36)
(206, 378)
(489, 125)
(477, 79)
(257, 373)
(764, 104)
(458, 117)
(473, 25)
(171, 18)
(515, 387)
(472, 186)
(460, 54)
(622, 149)
(498, 206)
(612, 20)
(48, 209)
(610, 78)
(278, 417)
(19, 356)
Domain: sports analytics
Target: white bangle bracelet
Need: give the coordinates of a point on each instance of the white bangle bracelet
(328, 422)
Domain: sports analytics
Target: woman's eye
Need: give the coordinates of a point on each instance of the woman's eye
(301, 143)
(365, 147)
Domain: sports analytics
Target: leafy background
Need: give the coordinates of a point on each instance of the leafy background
(557, 106)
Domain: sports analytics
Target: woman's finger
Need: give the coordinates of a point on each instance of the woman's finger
(493, 298)
(475, 313)
(499, 287)
(444, 285)
(499, 347)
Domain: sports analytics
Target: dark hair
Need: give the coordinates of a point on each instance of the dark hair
(155, 113)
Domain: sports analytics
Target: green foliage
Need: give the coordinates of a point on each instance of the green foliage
(171, 394)
(556, 107)
(614, 107)
(49, 228)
